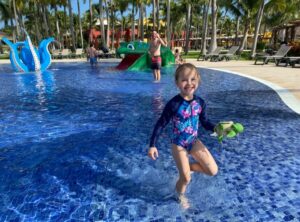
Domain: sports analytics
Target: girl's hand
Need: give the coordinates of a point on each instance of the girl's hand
(153, 153)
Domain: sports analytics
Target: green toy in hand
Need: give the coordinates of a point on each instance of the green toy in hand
(228, 129)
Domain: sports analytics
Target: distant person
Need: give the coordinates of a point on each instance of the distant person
(92, 54)
(178, 58)
(154, 51)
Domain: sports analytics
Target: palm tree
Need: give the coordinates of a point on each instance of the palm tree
(91, 13)
(80, 26)
(204, 26)
(187, 27)
(102, 23)
(213, 43)
(4, 12)
(73, 48)
(132, 21)
(257, 26)
(16, 18)
(245, 9)
(154, 13)
(122, 5)
(108, 22)
(168, 23)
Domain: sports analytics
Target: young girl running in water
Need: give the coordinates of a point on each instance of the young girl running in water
(187, 112)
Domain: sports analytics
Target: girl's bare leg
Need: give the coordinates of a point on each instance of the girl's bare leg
(180, 156)
(158, 75)
(205, 161)
(154, 74)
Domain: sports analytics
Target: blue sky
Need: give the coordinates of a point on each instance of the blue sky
(83, 7)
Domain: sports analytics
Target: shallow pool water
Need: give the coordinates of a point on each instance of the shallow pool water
(73, 145)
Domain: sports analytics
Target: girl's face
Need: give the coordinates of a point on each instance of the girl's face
(188, 82)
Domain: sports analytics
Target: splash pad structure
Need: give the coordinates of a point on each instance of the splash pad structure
(24, 57)
(137, 57)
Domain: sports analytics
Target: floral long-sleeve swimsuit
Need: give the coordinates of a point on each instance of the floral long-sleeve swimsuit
(185, 116)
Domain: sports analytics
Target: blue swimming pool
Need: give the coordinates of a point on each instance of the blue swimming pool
(73, 144)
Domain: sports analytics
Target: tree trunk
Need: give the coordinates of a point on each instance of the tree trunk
(154, 14)
(222, 24)
(132, 23)
(36, 26)
(73, 48)
(168, 23)
(80, 26)
(213, 43)
(141, 21)
(108, 29)
(91, 14)
(237, 27)
(48, 21)
(257, 27)
(187, 29)
(113, 28)
(66, 44)
(102, 24)
(157, 16)
(122, 27)
(16, 19)
(43, 8)
(204, 28)
(245, 35)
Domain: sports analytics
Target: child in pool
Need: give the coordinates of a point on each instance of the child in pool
(187, 112)
(154, 51)
(92, 54)
(178, 59)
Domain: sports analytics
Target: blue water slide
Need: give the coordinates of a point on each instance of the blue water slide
(45, 56)
(15, 59)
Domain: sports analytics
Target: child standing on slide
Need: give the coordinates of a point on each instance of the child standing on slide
(187, 112)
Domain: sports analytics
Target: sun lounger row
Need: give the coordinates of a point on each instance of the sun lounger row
(66, 53)
(280, 54)
(280, 57)
(216, 54)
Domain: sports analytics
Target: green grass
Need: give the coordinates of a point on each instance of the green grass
(191, 55)
(4, 56)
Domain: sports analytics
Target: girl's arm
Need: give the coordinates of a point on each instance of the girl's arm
(205, 122)
(161, 123)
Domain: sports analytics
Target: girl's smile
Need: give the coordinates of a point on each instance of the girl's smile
(188, 83)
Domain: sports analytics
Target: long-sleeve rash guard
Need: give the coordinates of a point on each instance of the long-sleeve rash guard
(185, 116)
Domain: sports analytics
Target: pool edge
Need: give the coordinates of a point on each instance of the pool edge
(286, 96)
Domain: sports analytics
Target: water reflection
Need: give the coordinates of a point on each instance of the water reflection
(36, 87)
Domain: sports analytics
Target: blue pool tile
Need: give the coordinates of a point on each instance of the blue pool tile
(74, 143)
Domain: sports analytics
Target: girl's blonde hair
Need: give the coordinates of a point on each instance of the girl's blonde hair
(184, 66)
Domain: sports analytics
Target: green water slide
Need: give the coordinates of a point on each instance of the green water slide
(136, 56)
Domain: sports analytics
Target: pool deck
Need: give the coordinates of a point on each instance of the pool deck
(284, 80)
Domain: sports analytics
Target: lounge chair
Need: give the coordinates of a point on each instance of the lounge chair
(294, 60)
(55, 54)
(229, 55)
(209, 55)
(291, 60)
(65, 53)
(105, 52)
(280, 54)
(78, 53)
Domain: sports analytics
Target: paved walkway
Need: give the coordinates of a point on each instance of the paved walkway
(286, 77)
(284, 80)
